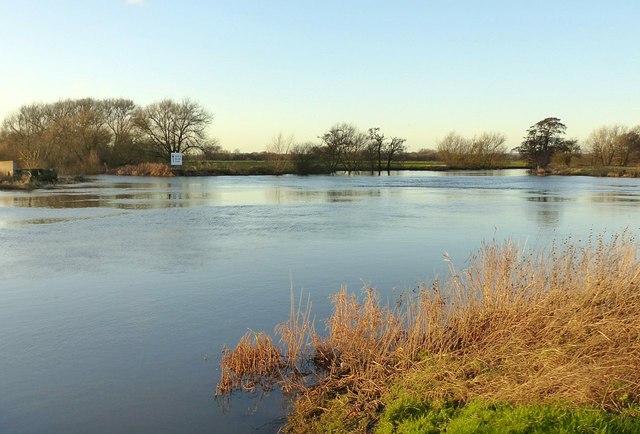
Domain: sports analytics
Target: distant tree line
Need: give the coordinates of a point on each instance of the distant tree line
(606, 146)
(614, 145)
(486, 151)
(345, 148)
(543, 145)
(87, 135)
(91, 136)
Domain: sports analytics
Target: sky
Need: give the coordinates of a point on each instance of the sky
(415, 69)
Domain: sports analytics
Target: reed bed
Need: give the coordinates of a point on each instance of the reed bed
(254, 363)
(144, 169)
(516, 326)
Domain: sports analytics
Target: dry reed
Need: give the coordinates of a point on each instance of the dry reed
(144, 169)
(517, 326)
(254, 363)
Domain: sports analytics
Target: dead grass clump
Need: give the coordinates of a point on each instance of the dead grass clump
(254, 363)
(144, 169)
(517, 326)
(296, 335)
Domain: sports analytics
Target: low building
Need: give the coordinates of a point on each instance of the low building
(7, 169)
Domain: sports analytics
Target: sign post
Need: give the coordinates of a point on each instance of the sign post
(176, 158)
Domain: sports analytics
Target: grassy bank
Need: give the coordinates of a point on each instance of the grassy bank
(544, 338)
(599, 171)
(406, 415)
(267, 167)
(262, 167)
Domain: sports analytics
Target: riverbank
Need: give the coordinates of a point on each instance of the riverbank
(548, 340)
(598, 171)
(262, 167)
(29, 184)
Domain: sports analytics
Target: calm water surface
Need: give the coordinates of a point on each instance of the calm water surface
(117, 295)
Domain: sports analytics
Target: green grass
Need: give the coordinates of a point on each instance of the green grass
(231, 167)
(439, 165)
(250, 167)
(231, 164)
(406, 415)
(417, 165)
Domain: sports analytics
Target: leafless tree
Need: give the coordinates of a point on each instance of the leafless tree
(453, 149)
(486, 150)
(628, 145)
(335, 140)
(393, 149)
(308, 158)
(170, 127)
(489, 148)
(354, 147)
(278, 152)
(604, 143)
(27, 134)
(376, 145)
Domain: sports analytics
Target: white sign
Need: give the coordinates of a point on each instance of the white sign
(176, 158)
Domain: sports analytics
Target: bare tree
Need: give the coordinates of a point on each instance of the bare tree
(335, 140)
(376, 145)
(489, 148)
(170, 127)
(278, 152)
(27, 134)
(628, 144)
(352, 151)
(118, 119)
(453, 149)
(308, 158)
(393, 149)
(604, 143)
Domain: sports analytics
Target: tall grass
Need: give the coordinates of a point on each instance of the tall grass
(517, 326)
(255, 362)
(144, 169)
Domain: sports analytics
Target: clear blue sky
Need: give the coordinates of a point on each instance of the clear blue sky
(416, 69)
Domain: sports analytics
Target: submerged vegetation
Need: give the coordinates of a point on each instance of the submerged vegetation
(538, 339)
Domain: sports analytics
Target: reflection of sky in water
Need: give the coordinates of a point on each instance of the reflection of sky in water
(113, 290)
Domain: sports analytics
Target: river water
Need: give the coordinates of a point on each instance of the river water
(117, 295)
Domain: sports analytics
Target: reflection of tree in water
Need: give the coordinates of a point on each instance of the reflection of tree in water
(348, 195)
(548, 215)
(614, 196)
(547, 207)
(285, 195)
(59, 201)
(172, 199)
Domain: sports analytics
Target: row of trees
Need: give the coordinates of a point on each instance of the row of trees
(544, 143)
(83, 135)
(343, 147)
(606, 146)
(614, 145)
(487, 150)
(88, 135)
